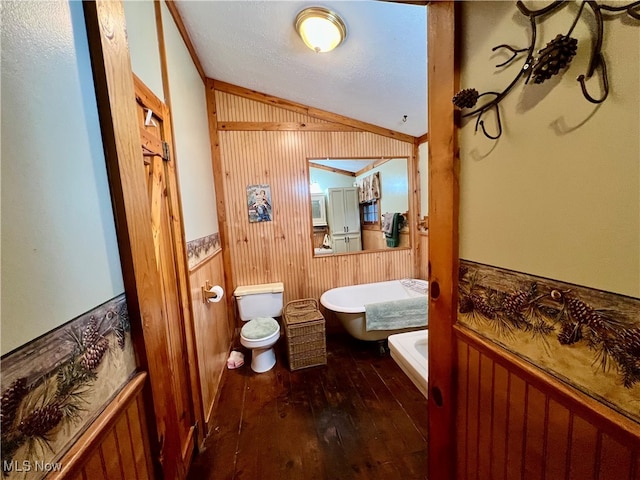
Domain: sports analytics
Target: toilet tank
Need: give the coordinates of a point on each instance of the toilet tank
(263, 300)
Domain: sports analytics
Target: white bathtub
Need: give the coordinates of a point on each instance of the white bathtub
(348, 304)
(409, 350)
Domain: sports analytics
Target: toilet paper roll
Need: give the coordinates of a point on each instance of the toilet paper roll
(219, 293)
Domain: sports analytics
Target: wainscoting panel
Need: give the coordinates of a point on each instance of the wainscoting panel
(116, 445)
(516, 422)
(213, 331)
(281, 249)
(55, 386)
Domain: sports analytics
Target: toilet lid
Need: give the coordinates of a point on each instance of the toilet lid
(260, 327)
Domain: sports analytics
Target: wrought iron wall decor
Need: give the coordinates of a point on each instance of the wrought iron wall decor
(549, 61)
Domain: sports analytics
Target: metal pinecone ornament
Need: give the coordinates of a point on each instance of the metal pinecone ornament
(556, 55)
(466, 98)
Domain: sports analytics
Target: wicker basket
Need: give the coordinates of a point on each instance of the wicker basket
(304, 327)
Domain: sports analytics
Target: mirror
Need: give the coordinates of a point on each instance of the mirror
(354, 203)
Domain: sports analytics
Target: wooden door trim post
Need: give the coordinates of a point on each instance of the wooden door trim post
(218, 182)
(113, 79)
(443, 237)
(180, 240)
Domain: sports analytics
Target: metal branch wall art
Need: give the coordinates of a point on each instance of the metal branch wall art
(548, 61)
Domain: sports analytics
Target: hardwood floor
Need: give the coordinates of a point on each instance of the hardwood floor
(358, 417)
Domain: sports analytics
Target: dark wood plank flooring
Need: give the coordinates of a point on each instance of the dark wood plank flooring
(358, 417)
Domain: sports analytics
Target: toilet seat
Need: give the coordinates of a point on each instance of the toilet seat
(259, 335)
(260, 328)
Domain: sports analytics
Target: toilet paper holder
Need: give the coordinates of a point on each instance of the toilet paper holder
(206, 294)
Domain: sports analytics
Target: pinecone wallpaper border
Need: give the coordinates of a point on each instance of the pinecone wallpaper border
(201, 249)
(55, 386)
(587, 338)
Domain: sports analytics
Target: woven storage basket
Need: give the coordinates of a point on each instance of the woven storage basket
(304, 327)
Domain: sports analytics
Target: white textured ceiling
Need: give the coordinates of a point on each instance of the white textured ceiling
(378, 75)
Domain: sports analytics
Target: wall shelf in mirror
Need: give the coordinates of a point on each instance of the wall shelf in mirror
(318, 210)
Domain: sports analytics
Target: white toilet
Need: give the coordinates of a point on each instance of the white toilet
(257, 305)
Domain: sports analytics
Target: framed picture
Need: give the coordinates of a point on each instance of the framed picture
(259, 203)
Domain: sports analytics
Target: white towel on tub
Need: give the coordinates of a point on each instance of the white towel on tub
(397, 314)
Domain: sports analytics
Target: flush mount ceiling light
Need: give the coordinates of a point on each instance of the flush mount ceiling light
(320, 29)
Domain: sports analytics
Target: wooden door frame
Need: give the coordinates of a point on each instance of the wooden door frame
(115, 95)
(164, 149)
(443, 235)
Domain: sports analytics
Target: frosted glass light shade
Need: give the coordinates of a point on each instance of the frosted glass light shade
(320, 29)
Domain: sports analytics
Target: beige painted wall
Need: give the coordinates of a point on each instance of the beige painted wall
(191, 130)
(558, 195)
(59, 250)
(142, 37)
(188, 110)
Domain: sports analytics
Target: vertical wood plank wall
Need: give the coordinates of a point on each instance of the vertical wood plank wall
(516, 425)
(116, 445)
(213, 339)
(422, 244)
(281, 250)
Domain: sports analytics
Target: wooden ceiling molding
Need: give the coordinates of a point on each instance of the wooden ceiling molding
(310, 111)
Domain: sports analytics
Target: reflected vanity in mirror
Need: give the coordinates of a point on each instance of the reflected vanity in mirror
(359, 204)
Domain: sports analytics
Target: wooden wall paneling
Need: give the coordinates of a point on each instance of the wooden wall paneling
(214, 332)
(422, 246)
(473, 413)
(557, 444)
(462, 410)
(485, 409)
(115, 446)
(113, 79)
(94, 468)
(374, 240)
(536, 427)
(499, 438)
(314, 113)
(281, 250)
(616, 460)
(125, 449)
(536, 431)
(139, 437)
(583, 458)
(443, 237)
(420, 257)
(219, 185)
(516, 422)
(111, 457)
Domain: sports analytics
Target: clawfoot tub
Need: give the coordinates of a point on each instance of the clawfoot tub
(348, 303)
